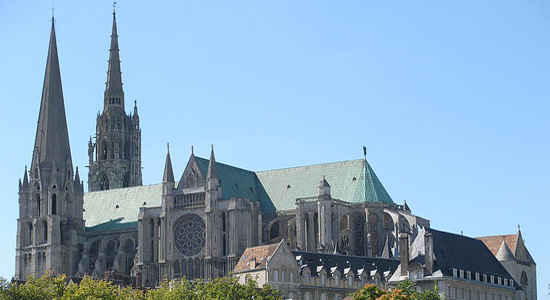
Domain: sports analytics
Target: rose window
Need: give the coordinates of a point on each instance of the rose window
(189, 234)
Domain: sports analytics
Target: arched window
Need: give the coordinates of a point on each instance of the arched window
(45, 232)
(54, 204)
(274, 231)
(30, 234)
(38, 204)
(524, 280)
(224, 236)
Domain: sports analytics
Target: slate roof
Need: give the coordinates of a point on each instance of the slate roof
(314, 260)
(255, 256)
(101, 212)
(461, 252)
(351, 180)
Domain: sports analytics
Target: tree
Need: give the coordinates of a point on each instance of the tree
(60, 288)
(403, 291)
(219, 289)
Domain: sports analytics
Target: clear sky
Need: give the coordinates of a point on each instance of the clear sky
(451, 98)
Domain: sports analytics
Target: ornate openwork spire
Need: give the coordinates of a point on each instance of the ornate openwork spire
(114, 94)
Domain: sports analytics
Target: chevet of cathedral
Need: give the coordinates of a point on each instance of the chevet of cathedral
(330, 220)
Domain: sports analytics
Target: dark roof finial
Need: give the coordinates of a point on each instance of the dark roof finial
(114, 7)
(364, 152)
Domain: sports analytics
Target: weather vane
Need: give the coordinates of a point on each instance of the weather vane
(114, 6)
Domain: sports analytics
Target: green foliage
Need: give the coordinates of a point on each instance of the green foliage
(59, 288)
(405, 290)
(219, 289)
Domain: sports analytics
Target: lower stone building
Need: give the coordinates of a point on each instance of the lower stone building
(461, 267)
(309, 275)
(511, 252)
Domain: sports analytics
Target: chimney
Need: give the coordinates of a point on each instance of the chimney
(429, 252)
(404, 253)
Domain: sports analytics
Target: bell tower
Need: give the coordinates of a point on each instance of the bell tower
(115, 156)
(50, 195)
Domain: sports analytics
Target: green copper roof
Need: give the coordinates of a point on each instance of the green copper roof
(238, 183)
(119, 206)
(349, 181)
(352, 181)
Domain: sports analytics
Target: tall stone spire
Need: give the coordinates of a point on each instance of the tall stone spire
(52, 137)
(168, 171)
(51, 197)
(114, 95)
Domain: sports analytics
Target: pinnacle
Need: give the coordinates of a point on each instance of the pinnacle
(212, 171)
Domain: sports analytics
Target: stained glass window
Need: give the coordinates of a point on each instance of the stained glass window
(189, 234)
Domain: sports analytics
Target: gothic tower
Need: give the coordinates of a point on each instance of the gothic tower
(115, 157)
(50, 195)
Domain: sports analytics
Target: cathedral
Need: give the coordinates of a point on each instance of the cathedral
(216, 219)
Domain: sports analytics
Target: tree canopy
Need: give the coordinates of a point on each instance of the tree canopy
(404, 291)
(60, 288)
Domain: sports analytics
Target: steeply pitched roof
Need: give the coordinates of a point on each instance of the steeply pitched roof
(461, 252)
(238, 183)
(352, 181)
(255, 258)
(51, 144)
(493, 242)
(100, 208)
(349, 181)
(514, 242)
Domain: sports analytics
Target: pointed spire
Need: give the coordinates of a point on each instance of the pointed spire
(504, 253)
(52, 138)
(212, 171)
(77, 175)
(113, 87)
(168, 171)
(26, 177)
(135, 109)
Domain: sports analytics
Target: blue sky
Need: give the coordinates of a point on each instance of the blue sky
(450, 98)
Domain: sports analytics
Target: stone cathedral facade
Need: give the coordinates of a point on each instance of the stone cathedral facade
(197, 226)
